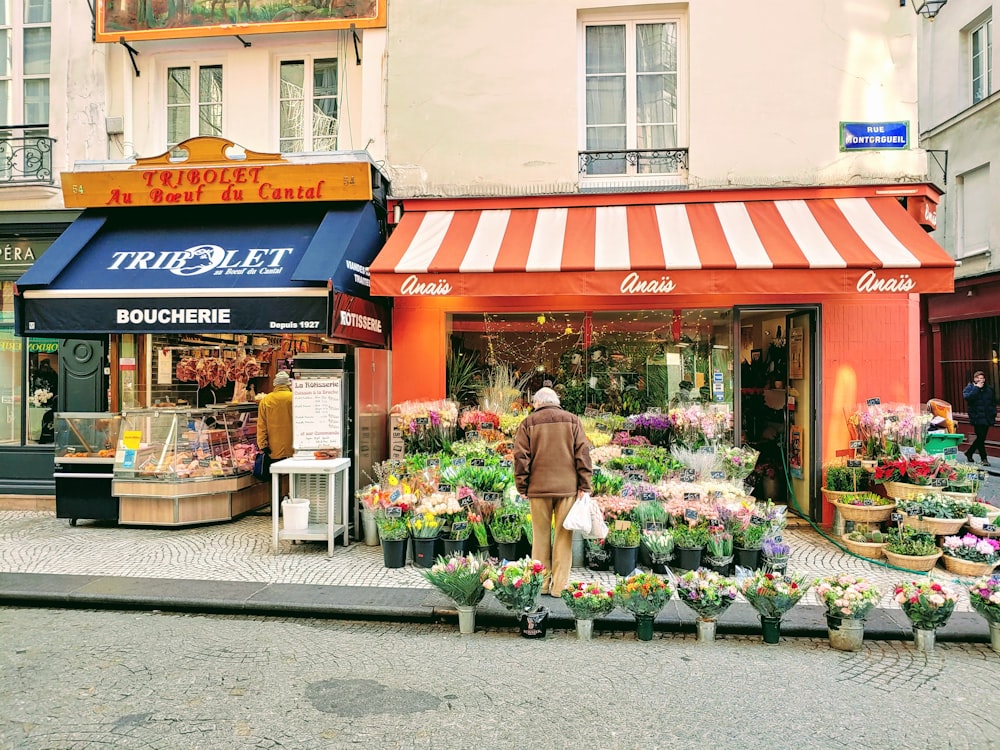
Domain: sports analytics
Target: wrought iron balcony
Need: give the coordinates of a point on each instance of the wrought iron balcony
(25, 155)
(659, 161)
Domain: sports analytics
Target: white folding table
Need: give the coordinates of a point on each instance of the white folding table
(324, 483)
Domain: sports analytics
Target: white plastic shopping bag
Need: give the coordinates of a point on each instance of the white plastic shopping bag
(598, 527)
(579, 516)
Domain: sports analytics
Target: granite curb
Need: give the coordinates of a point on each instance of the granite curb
(394, 604)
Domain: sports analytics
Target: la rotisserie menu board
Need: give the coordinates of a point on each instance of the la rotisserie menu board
(318, 412)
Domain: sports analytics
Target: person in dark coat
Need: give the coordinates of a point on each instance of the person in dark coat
(552, 468)
(982, 411)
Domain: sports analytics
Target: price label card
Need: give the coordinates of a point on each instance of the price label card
(654, 526)
(757, 520)
(896, 517)
(393, 512)
(854, 463)
(422, 420)
(485, 425)
(706, 449)
(691, 514)
(718, 475)
(622, 525)
(433, 462)
(691, 497)
(855, 445)
(654, 410)
(506, 463)
(777, 537)
(477, 462)
(989, 527)
(628, 451)
(688, 475)
(635, 476)
(951, 451)
(465, 502)
(590, 412)
(874, 401)
(460, 461)
(867, 502)
(647, 496)
(939, 482)
(444, 487)
(602, 427)
(395, 495)
(507, 519)
(460, 526)
(492, 497)
(718, 494)
(907, 450)
(631, 467)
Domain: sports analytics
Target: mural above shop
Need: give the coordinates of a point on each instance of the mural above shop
(180, 19)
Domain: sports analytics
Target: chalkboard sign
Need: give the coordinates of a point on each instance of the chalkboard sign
(874, 401)
(465, 502)
(477, 462)
(855, 445)
(896, 517)
(628, 451)
(777, 537)
(691, 497)
(718, 494)
(459, 526)
(854, 463)
(867, 502)
(433, 462)
(506, 463)
(757, 520)
(460, 461)
(394, 512)
(492, 497)
(485, 425)
(718, 475)
(444, 487)
(654, 410)
(631, 467)
(590, 412)
(939, 482)
(422, 420)
(989, 527)
(635, 476)
(950, 451)
(706, 449)
(317, 413)
(647, 496)
(690, 513)
(653, 526)
(688, 475)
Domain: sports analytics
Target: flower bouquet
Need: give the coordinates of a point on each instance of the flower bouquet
(848, 600)
(719, 549)
(425, 525)
(587, 601)
(928, 605)
(517, 584)
(654, 426)
(709, 595)
(659, 545)
(984, 594)
(643, 595)
(461, 578)
(738, 463)
(426, 426)
(772, 596)
(40, 397)
(392, 523)
(970, 555)
(775, 554)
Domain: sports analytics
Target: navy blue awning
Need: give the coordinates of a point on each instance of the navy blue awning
(236, 269)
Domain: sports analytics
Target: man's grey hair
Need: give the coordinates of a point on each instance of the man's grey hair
(544, 396)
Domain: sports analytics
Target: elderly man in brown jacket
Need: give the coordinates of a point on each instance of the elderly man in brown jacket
(551, 468)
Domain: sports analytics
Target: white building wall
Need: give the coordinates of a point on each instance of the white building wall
(484, 98)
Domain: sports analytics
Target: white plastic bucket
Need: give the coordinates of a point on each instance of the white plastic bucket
(295, 511)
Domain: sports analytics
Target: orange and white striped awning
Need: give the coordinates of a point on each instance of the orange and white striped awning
(818, 245)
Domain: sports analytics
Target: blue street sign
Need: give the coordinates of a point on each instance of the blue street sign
(874, 136)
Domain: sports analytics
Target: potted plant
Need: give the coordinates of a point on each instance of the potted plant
(659, 546)
(772, 596)
(747, 543)
(517, 585)
(839, 480)
(848, 600)
(928, 605)
(425, 528)
(393, 531)
(934, 514)
(864, 507)
(507, 527)
(643, 595)
(911, 550)
(623, 537)
(690, 541)
(970, 555)
(596, 554)
(459, 530)
(866, 541)
(587, 601)
(461, 578)
(719, 550)
(984, 595)
(709, 595)
(775, 554)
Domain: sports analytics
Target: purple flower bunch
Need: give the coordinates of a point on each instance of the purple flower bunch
(649, 421)
(774, 548)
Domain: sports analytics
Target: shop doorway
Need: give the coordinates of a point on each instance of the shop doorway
(778, 407)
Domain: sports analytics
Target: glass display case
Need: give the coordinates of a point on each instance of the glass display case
(177, 466)
(84, 446)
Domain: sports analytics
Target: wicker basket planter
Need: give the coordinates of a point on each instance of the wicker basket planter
(937, 526)
(904, 490)
(921, 563)
(871, 550)
(981, 532)
(961, 567)
(865, 513)
(835, 496)
(962, 497)
(991, 513)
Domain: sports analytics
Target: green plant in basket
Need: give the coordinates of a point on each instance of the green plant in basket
(934, 506)
(928, 604)
(865, 499)
(839, 478)
(460, 578)
(911, 543)
(642, 594)
(623, 534)
(846, 596)
(984, 595)
(605, 482)
(588, 600)
(868, 535)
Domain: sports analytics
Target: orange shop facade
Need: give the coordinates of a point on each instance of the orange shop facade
(789, 306)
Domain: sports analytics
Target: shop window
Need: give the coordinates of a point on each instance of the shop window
(25, 51)
(308, 105)
(974, 207)
(632, 97)
(981, 49)
(619, 362)
(194, 102)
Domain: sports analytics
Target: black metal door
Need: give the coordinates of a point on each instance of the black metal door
(82, 382)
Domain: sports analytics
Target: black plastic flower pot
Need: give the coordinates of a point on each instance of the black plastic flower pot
(508, 550)
(626, 560)
(747, 558)
(688, 559)
(394, 553)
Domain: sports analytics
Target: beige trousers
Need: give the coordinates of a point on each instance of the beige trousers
(558, 557)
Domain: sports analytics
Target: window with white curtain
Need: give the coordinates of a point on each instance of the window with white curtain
(194, 102)
(308, 106)
(632, 77)
(981, 47)
(974, 207)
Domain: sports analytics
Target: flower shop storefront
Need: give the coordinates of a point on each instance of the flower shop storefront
(780, 310)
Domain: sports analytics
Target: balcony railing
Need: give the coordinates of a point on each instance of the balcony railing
(660, 161)
(25, 155)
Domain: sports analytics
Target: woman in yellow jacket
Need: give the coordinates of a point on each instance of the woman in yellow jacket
(274, 423)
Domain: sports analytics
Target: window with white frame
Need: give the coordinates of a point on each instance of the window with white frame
(194, 102)
(981, 47)
(25, 46)
(308, 105)
(631, 96)
(974, 207)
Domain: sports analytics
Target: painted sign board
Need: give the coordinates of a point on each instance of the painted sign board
(874, 136)
(142, 20)
(210, 176)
